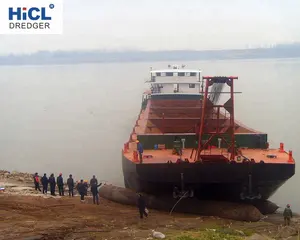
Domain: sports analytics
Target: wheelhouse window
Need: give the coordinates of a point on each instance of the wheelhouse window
(192, 85)
(175, 74)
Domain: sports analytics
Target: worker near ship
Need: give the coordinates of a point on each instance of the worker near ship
(93, 181)
(60, 185)
(141, 204)
(70, 183)
(287, 214)
(45, 181)
(86, 186)
(52, 184)
(177, 147)
(81, 188)
(95, 192)
(140, 150)
(36, 181)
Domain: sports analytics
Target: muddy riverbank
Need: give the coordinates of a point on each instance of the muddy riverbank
(27, 214)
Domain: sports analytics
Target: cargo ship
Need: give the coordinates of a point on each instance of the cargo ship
(192, 146)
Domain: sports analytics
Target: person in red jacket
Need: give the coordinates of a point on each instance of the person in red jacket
(36, 181)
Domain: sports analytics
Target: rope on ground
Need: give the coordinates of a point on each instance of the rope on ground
(178, 202)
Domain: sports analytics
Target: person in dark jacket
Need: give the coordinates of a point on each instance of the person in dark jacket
(177, 146)
(70, 183)
(36, 181)
(140, 150)
(81, 189)
(287, 214)
(45, 181)
(86, 186)
(141, 206)
(52, 184)
(95, 192)
(60, 185)
(93, 181)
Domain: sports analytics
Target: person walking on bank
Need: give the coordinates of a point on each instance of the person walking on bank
(60, 185)
(70, 183)
(287, 214)
(52, 184)
(36, 181)
(140, 150)
(95, 192)
(45, 182)
(81, 190)
(142, 206)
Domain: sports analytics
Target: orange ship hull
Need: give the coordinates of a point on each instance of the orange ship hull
(210, 181)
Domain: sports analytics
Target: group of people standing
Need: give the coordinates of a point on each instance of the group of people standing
(52, 182)
(81, 187)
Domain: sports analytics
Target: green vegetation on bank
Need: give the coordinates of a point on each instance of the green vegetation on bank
(210, 234)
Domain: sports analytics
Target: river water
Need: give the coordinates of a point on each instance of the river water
(75, 118)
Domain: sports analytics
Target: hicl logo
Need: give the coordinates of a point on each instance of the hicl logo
(31, 13)
(31, 16)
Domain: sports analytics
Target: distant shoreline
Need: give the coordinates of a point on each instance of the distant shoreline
(288, 51)
(40, 64)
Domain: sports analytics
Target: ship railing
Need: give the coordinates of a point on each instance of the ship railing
(155, 90)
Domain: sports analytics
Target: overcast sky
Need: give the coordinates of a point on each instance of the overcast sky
(166, 25)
